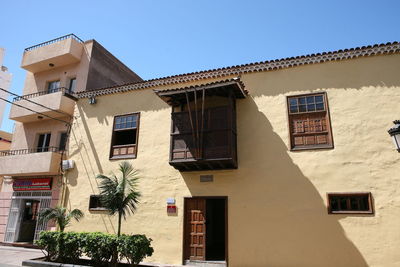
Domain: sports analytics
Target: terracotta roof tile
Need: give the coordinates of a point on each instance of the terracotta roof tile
(371, 50)
(232, 80)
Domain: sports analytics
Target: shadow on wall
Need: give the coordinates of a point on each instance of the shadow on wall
(111, 107)
(276, 215)
(85, 144)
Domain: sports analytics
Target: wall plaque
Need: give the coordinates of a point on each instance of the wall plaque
(206, 178)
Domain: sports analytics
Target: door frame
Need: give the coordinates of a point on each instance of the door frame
(44, 197)
(184, 225)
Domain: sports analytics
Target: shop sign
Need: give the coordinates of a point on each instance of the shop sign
(32, 184)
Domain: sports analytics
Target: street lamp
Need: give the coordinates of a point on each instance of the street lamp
(395, 134)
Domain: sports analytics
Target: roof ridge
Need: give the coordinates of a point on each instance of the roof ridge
(274, 64)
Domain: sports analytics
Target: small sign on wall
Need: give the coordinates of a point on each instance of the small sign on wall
(206, 178)
(171, 209)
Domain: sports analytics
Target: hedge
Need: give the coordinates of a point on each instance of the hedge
(101, 248)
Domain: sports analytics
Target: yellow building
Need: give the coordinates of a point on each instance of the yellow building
(280, 163)
(56, 70)
(285, 162)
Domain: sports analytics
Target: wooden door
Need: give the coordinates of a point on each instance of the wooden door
(195, 229)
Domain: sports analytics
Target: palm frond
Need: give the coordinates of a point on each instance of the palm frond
(130, 203)
(120, 194)
(77, 214)
(59, 215)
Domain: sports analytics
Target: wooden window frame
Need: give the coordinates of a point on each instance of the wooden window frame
(290, 117)
(111, 157)
(351, 194)
(95, 209)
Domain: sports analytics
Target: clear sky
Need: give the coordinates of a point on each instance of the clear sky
(167, 37)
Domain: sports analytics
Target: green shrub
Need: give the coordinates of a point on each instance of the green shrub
(134, 248)
(59, 246)
(99, 247)
(48, 242)
(70, 246)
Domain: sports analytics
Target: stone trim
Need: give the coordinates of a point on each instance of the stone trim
(364, 51)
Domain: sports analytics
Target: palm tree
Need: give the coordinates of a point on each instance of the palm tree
(59, 215)
(120, 194)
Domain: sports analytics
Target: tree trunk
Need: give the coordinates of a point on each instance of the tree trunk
(119, 223)
(60, 224)
(114, 260)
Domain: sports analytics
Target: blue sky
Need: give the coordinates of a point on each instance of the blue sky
(161, 38)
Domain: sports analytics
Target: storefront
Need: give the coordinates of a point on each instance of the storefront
(29, 196)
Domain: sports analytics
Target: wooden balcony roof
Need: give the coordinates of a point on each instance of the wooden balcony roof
(221, 88)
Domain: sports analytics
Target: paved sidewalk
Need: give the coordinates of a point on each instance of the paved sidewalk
(13, 256)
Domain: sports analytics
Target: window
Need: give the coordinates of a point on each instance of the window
(125, 136)
(53, 86)
(350, 203)
(43, 142)
(309, 123)
(72, 85)
(95, 203)
(63, 141)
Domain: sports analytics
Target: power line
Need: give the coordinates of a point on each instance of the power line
(65, 114)
(12, 103)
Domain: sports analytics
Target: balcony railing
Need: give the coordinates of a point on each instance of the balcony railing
(4, 153)
(68, 36)
(49, 91)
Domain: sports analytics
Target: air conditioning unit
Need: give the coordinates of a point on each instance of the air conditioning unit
(67, 164)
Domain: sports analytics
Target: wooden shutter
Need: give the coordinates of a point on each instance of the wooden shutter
(309, 129)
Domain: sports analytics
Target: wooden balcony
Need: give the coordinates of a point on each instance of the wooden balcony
(211, 148)
(203, 133)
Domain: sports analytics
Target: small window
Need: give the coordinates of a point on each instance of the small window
(350, 203)
(53, 86)
(43, 142)
(95, 203)
(63, 141)
(72, 85)
(309, 123)
(125, 136)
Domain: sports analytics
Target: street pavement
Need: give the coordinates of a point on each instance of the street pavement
(13, 256)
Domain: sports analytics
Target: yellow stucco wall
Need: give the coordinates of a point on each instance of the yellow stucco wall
(277, 213)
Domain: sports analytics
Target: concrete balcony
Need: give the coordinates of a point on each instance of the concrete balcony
(51, 54)
(58, 101)
(24, 162)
